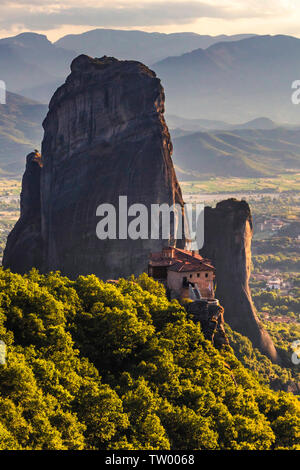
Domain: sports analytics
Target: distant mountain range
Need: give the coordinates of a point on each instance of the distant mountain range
(222, 78)
(20, 132)
(234, 81)
(240, 152)
(34, 67)
(191, 125)
(243, 151)
(139, 45)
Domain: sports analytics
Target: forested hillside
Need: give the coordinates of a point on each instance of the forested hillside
(94, 365)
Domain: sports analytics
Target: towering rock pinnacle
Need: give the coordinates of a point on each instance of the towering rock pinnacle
(105, 137)
(24, 244)
(228, 235)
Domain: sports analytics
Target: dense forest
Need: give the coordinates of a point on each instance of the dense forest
(95, 365)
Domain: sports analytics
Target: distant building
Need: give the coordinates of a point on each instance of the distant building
(271, 224)
(274, 284)
(184, 273)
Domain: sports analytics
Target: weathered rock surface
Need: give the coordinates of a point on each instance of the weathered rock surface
(228, 235)
(24, 244)
(105, 136)
(211, 317)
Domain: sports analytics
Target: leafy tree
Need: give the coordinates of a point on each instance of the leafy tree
(94, 365)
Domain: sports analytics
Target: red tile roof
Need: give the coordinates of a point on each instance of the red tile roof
(181, 261)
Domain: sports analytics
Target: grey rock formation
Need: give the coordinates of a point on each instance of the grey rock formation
(24, 244)
(211, 317)
(105, 137)
(228, 235)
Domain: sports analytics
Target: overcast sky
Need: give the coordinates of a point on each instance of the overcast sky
(56, 18)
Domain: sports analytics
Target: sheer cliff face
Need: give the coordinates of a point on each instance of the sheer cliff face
(24, 244)
(105, 137)
(228, 235)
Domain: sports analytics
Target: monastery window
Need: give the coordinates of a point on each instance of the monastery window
(206, 274)
(198, 274)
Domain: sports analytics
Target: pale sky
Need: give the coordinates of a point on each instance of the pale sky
(57, 18)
